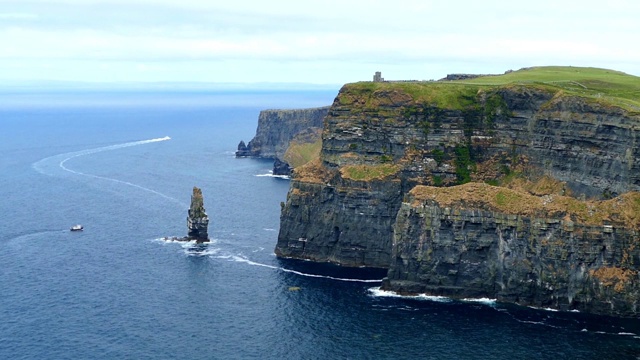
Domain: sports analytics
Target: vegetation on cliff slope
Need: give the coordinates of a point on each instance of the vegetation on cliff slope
(623, 210)
(313, 172)
(303, 149)
(368, 172)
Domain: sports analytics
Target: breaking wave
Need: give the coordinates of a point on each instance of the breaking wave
(377, 292)
(270, 174)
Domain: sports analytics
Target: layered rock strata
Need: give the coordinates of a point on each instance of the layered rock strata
(277, 129)
(197, 219)
(514, 248)
(380, 141)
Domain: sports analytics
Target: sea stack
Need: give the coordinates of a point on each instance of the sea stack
(197, 221)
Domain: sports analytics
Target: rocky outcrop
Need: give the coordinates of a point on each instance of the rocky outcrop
(381, 140)
(243, 150)
(197, 220)
(524, 252)
(281, 168)
(276, 129)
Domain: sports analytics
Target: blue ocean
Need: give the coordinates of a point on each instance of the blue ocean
(123, 164)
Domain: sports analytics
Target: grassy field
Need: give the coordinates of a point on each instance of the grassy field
(618, 87)
(606, 86)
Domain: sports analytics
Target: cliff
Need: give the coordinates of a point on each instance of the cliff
(540, 131)
(477, 240)
(277, 128)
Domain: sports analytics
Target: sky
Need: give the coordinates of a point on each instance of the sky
(314, 42)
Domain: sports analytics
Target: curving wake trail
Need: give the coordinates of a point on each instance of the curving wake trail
(47, 166)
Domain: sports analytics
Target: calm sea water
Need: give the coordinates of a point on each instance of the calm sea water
(117, 291)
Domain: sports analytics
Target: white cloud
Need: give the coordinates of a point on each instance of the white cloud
(332, 39)
(18, 16)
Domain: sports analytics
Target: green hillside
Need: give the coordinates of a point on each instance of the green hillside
(620, 88)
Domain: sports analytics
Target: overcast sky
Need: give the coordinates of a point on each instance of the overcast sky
(323, 42)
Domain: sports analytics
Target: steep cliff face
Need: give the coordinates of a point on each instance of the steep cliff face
(347, 223)
(276, 129)
(381, 140)
(482, 241)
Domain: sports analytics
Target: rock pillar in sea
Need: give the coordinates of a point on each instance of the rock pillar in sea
(243, 150)
(197, 221)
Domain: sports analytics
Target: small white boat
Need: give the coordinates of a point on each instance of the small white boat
(77, 228)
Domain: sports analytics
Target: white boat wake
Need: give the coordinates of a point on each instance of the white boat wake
(43, 166)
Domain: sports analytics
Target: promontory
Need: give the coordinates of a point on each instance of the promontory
(521, 187)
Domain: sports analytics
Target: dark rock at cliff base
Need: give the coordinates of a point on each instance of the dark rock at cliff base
(281, 168)
(243, 150)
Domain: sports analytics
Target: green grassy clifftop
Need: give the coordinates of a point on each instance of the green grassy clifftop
(607, 87)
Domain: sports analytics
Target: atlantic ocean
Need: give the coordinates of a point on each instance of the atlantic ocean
(123, 163)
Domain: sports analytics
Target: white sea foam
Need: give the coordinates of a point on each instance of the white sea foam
(622, 333)
(42, 166)
(485, 301)
(192, 243)
(184, 244)
(247, 261)
(377, 292)
(545, 309)
(274, 176)
(198, 252)
(169, 240)
(192, 247)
